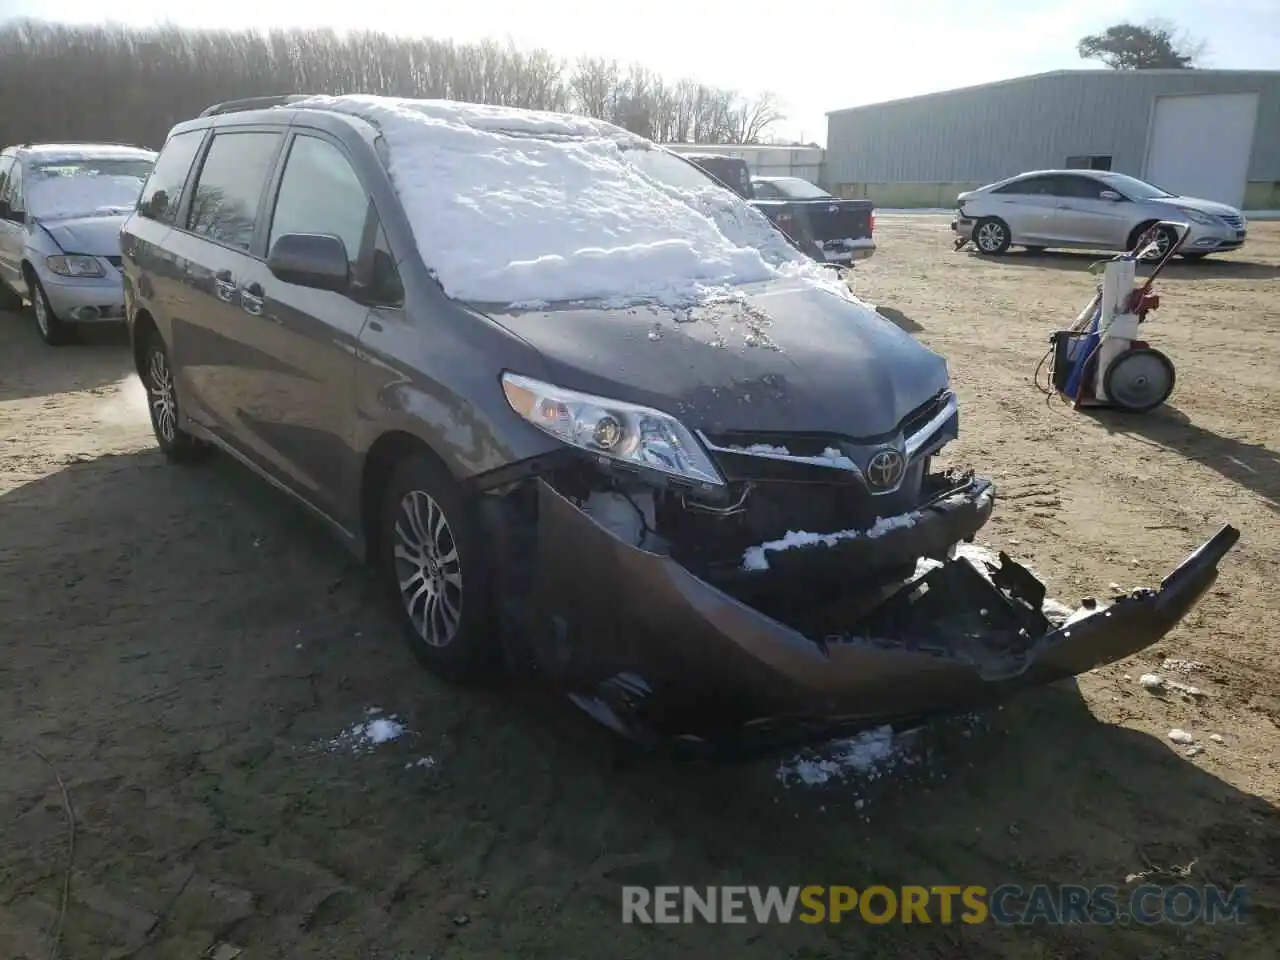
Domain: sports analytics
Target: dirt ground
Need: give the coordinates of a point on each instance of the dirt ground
(183, 650)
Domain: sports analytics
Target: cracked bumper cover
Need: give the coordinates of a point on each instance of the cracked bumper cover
(711, 664)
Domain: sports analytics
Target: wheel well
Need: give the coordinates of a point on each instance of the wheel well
(387, 452)
(143, 329)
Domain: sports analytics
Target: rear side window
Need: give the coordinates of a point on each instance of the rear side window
(1032, 186)
(320, 193)
(163, 190)
(5, 164)
(224, 206)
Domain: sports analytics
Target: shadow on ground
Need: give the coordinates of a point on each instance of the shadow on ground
(899, 318)
(1210, 268)
(1250, 465)
(97, 356)
(195, 651)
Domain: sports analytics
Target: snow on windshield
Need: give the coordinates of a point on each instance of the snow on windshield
(522, 207)
(58, 193)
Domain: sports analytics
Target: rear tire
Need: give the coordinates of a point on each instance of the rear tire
(991, 236)
(434, 571)
(162, 404)
(52, 330)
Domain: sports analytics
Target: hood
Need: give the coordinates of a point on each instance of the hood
(784, 356)
(94, 236)
(1211, 207)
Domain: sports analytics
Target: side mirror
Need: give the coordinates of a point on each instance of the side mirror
(1111, 195)
(317, 260)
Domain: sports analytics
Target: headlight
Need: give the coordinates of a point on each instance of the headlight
(631, 434)
(74, 266)
(1195, 216)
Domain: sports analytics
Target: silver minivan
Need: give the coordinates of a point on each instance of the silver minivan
(1091, 210)
(61, 209)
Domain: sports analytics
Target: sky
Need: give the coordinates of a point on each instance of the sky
(814, 57)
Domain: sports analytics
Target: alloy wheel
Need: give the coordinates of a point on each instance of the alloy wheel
(990, 236)
(427, 568)
(164, 407)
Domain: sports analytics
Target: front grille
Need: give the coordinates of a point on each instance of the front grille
(1236, 223)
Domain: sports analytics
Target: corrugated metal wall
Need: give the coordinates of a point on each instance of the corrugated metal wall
(981, 134)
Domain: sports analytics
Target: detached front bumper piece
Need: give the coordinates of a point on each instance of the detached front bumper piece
(655, 651)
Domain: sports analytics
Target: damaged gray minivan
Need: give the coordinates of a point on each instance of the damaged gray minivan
(590, 416)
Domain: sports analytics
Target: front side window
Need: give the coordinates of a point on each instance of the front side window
(163, 190)
(224, 206)
(5, 164)
(766, 191)
(320, 193)
(1079, 188)
(13, 189)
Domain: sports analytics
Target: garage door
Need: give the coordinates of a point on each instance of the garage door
(1200, 145)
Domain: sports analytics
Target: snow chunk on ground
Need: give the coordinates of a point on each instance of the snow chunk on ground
(1151, 681)
(374, 731)
(522, 207)
(839, 759)
(1184, 666)
(1181, 736)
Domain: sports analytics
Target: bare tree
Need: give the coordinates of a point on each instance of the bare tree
(158, 76)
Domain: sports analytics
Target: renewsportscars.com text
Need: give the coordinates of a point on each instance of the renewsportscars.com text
(1008, 904)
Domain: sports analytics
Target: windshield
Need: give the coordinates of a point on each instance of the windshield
(798, 189)
(1136, 189)
(85, 186)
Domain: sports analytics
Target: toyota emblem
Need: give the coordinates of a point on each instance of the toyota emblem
(885, 470)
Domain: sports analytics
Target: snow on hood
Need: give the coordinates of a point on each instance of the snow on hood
(54, 198)
(531, 208)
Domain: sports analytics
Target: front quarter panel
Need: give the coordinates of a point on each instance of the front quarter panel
(433, 370)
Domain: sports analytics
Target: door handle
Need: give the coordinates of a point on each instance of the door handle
(251, 298)
(223, 286)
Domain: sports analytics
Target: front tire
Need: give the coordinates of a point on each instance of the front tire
(52, 330)
(991, 236)
(434, 571)
(1165, 238)
(162, 403)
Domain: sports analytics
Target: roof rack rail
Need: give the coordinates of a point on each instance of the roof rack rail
(253, 103)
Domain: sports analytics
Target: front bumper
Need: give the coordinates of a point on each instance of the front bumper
(962, 227)
(657, 652)
(1214, 238)
(85, 299)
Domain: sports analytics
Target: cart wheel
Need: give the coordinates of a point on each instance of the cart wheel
(1139, 380)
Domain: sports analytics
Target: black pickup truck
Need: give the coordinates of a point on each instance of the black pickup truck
(828, 228)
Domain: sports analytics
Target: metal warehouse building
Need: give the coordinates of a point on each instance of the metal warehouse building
(1207, 133)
